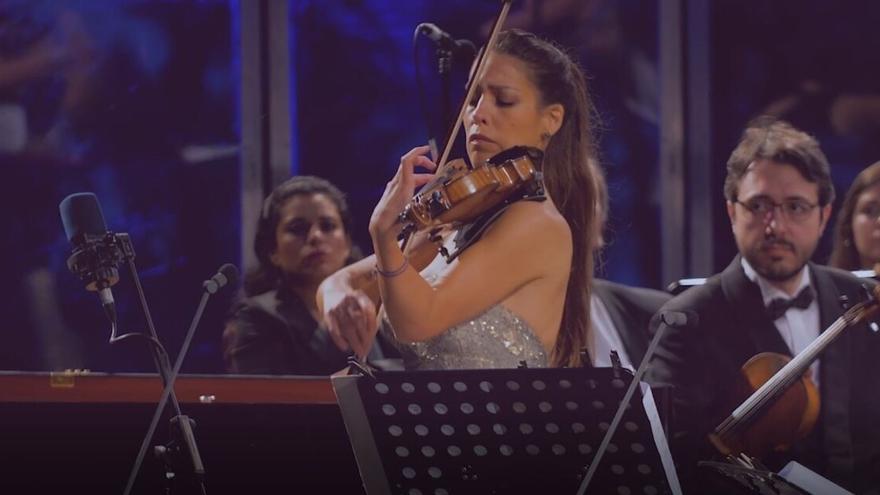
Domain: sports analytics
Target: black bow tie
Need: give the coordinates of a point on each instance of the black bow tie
(779, 306)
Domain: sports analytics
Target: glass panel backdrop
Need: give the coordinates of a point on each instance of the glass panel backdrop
(137, 102)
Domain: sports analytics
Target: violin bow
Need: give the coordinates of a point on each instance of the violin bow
(478, 72)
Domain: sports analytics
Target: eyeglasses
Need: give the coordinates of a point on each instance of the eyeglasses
(796, 210)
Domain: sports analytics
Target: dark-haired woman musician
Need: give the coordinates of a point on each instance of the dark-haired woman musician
(303, 235)
(521, 292)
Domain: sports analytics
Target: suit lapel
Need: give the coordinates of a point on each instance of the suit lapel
(827, 295)
(747, 309)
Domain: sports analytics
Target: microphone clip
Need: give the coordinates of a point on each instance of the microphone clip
(96, 258)
(447, 47)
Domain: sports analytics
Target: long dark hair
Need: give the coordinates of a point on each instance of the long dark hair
(569, 176)
(844, 253)
(267, 276)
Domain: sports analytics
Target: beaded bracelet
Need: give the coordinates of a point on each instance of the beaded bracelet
(395, 272)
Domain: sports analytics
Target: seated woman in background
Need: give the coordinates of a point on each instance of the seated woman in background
(521, 292)
(857, 232)
(302, 236)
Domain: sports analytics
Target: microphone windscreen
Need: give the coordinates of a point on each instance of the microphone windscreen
(230, 272)
(81, 214)
(682, 319)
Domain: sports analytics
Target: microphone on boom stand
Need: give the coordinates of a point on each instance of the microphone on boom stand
(96, 255)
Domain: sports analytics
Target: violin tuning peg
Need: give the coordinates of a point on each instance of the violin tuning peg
(867, 292)
(844, 302)
(403, 217)
(407, 230)
(434, 235)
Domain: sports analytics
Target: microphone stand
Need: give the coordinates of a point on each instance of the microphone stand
(618, 416)
(444, 70)
(180, 423)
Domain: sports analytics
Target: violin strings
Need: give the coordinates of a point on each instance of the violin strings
(784, 378)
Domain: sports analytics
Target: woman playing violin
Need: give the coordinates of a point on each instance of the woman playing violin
(520, 292)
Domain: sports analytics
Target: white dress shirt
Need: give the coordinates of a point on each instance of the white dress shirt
(797, 327)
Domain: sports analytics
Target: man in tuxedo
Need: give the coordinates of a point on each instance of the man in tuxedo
(771, 298)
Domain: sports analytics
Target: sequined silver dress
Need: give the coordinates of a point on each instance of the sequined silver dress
(497, 338)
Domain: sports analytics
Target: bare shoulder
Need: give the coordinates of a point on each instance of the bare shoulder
(538, 225)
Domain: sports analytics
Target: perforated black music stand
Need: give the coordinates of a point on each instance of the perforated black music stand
(746, 481)
(502, 431)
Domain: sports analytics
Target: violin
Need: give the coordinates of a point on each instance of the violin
(774, 419)
(460, 193)
(783, 404)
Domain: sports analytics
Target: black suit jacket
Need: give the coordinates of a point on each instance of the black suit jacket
(630, 309)
(274, 333)
(702, 361)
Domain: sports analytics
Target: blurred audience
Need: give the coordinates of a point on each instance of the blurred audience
(47, 78)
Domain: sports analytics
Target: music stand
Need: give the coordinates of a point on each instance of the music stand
(502, 431)
(745, 480)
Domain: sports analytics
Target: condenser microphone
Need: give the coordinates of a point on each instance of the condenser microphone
(96, 252)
